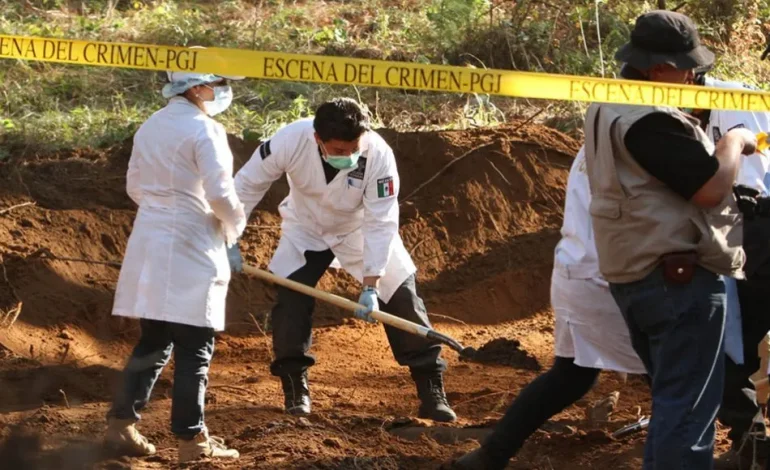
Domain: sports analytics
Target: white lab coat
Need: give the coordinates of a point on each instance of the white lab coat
(589, 325)
(180, 174)
(355, 215)
(576, 251)
(754, 172)
(755, 168)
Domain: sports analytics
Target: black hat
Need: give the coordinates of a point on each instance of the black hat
(665, 37)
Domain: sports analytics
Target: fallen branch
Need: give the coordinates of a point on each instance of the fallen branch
(65, 354)
(64, 395)
(256, 323)
(444, 168)
(261, 330)
(15, 312)
(582, 32)
(424, 260)
(531, 118)
(679, 7)
(101, 280)
(51, 256)
(447, 317)
(417, 245)
(364, 332)
(233, 387)
(328, 421)
(114, 264)
(13, 292)
(499, 172)
(17, 206)
(452, 162)
(481, 397)
(103, 178)
(599, 37)
(497, 227)
(29, 5)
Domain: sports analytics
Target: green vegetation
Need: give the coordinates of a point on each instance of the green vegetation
(49, 106)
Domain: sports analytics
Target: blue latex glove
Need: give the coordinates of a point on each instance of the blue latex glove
(368, 299)
(234, 257)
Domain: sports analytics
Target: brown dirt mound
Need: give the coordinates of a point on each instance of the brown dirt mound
(482, 234)
(505, 352)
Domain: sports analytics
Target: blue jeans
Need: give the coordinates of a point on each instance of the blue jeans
(194, 350)
(677, 331)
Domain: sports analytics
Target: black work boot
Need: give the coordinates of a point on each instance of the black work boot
(736, 458)
(434, 405)
(296, 394)
(477, 460)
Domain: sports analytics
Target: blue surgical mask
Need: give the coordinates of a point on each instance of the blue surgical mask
(223, 96)
(342, 162)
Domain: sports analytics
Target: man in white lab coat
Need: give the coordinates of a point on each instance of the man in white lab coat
(342, 204)
(749, 297)
(175, 272)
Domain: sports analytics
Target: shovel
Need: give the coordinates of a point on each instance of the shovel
(643, 423)
(346, 304)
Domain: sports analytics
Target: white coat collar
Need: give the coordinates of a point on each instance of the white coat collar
(182, 101)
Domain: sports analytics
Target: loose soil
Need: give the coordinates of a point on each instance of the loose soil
(506, 352)
(482, 235)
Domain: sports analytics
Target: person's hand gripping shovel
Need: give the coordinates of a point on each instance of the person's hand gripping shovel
(367, 312)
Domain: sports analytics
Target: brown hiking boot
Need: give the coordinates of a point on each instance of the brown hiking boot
(123, 438)
(205, 446)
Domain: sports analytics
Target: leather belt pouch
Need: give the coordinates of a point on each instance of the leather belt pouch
(679, 268)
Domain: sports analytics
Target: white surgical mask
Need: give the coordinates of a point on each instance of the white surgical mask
(223, 96)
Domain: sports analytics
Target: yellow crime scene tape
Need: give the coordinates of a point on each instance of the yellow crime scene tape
(762, 142)
(379, 73)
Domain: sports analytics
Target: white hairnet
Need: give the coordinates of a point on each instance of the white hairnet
(179, 82)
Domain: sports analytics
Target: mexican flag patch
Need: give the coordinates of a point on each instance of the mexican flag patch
(385, 187)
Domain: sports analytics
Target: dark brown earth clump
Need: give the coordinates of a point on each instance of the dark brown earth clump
(505, 352)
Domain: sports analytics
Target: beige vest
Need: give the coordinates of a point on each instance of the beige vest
(636, 218)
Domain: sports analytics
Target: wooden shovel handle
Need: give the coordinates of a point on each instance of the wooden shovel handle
(340, 302)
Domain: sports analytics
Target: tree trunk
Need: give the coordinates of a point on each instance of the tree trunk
(661, 4)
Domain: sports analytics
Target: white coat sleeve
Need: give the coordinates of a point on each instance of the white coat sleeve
(215, 166)
(266, 165)
(133, 186)
(380, 215)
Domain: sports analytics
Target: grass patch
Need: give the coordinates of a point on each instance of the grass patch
(50, 106)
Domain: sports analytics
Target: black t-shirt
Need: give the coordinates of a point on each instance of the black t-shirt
(662, 145)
